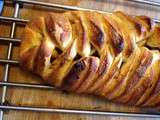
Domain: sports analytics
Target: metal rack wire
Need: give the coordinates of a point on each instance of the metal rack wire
(5, 84)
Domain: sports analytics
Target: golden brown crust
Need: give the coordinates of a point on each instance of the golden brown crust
(109, 55)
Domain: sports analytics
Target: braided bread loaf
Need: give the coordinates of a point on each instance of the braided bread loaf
(115, 56)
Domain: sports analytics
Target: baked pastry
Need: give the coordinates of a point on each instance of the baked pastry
(115, 56)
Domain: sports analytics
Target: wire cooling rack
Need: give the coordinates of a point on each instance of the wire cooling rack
(5, 84)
